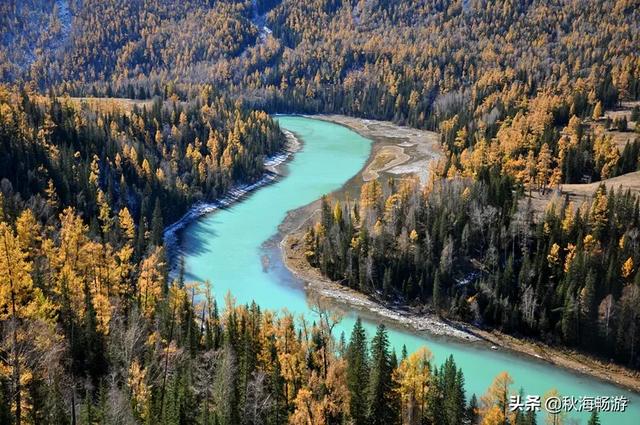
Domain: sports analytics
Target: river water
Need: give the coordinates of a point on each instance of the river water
(228, 247)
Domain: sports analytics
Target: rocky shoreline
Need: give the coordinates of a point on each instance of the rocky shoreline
(294, 260)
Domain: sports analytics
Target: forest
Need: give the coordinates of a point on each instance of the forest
(472, 245)
(94, 329)
(462, 249)
(95, 332)
(416, 62)
(154, 161)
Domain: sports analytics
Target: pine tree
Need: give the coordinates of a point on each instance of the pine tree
(358, 373)
(378, 390)
(157, 225)
(453, 392)
(435, 406)
(437, 293)
(472, 410)
(594, 419)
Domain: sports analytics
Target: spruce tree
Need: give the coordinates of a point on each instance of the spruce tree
(378, 390)
(437, 296)
(358, 373)
(472, 410)
(435, 407)
(595, 419)
(157, 225)
(452, 386)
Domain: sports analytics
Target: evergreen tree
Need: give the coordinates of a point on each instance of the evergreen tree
(157, 226)
(435, 405)
(472, 410)
(437, 296)
(594, 419)
(358, 374)
(379, 385)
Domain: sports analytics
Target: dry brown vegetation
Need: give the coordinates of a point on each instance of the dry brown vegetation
(626, 181)
(107, 105)
(579, 193)
(621, 138)
(386, 158)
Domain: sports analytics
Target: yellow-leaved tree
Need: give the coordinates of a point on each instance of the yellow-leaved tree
(599, 213)
(413, 377)
(140, 390)
(69, 260)
(17, 295)
(554, 415)
(151, 282)
(627, 268)
(495, 402)
(124, 255)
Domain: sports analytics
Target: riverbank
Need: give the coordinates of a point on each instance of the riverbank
(420, 152)
(397, 150)
(293, 256)
(273, 169)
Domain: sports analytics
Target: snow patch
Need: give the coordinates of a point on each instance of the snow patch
(420, 322)
(259, 21)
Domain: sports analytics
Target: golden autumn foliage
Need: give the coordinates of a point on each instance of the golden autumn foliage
(494, 408)
(370, 195)
(140, 392)
(17, 294)
(627, 268)
(151, 282)
(554, 254)
(97, 326)
(413, 377)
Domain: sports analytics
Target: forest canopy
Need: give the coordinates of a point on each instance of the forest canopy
(116, 116)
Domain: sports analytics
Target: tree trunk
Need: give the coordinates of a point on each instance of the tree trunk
(166, 365)
(16, 363)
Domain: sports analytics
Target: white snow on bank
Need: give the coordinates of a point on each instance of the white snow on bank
(259, 21)
(271, 164)
(418, 322)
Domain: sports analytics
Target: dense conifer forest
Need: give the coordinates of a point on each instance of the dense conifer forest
(93, 331)
(462, 248)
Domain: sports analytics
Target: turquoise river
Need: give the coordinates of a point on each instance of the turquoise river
(234, 249)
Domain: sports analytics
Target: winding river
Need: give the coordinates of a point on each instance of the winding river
(234, 249)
